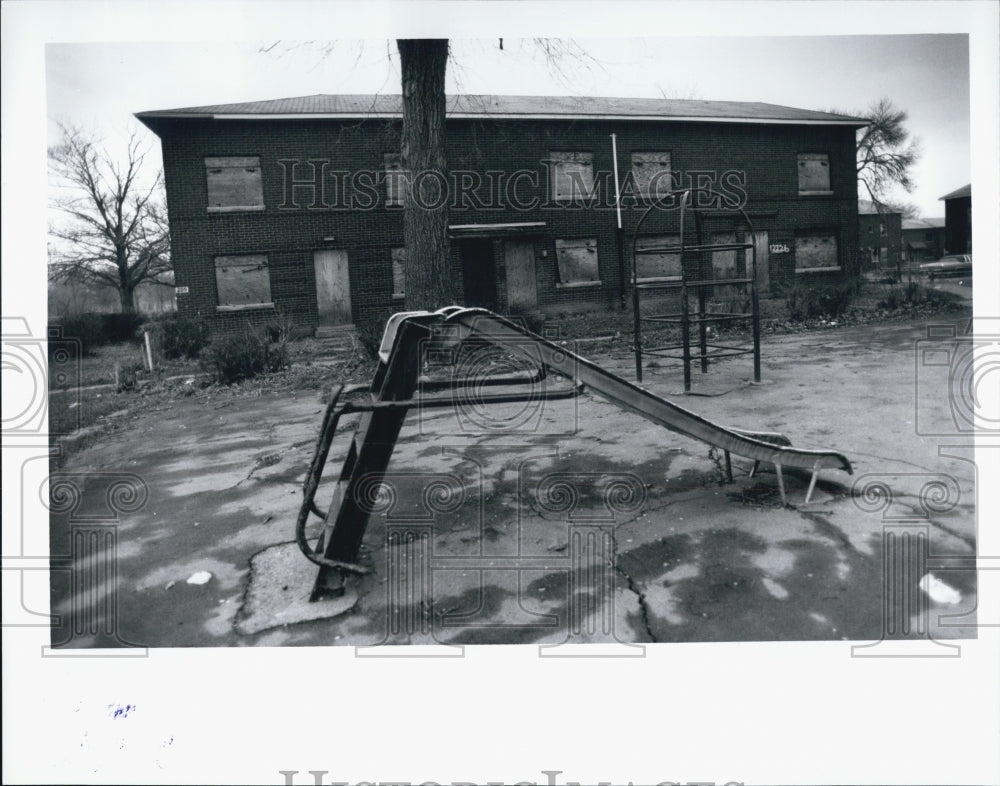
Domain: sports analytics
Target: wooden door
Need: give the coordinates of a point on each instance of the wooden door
(333, 287)
(522, 292)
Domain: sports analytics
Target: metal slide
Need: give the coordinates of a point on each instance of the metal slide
(398, 387)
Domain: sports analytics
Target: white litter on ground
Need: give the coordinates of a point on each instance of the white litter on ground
(939, 591)
(775, 588)
(201, 577)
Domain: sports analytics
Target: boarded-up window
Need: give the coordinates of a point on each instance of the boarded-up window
(814, 172)
(652, 174)
(572, 176)
(816, 252)
(243, 281)
(724, 262)
(398, 271)
(658, 264)
(395, 179)
(577, 261)
(234, 184)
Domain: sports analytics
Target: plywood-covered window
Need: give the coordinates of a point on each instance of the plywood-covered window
(656, 263)
(234, 184)
(577, 262)
(651, 172)
(572, 176)
(815, 252)
(395, 179)
(398, 272)
(243, 281)
(814, 173)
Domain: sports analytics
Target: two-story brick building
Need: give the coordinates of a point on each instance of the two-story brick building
(880, 235)
(295, 205)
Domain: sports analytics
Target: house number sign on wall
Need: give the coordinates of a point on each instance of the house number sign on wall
(778, 248)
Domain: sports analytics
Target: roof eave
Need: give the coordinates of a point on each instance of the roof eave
(847, 122)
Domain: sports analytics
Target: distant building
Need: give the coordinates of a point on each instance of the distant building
(880, 238)
(923, 239)
(294, 206)
(958, 220)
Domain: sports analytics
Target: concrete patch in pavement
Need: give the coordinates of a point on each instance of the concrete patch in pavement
(278, 592)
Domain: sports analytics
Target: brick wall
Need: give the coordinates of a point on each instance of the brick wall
(297, 222)
(880, 237)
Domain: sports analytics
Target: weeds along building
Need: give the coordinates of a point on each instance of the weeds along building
(293, 207)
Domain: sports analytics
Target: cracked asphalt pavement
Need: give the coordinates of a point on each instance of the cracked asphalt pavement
(554, 522)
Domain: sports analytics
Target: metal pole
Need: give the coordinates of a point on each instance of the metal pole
(755, 305)
(619, 236)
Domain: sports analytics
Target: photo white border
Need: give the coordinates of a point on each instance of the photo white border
(754, 713)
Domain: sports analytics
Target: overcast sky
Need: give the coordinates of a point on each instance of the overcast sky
(927, 75)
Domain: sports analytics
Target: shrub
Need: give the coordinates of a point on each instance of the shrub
(244, 356)
(180, 336)
(84, 328)
(913, 294)
(127, 376)
(891, 300)
(283, 327)
(120, 327)
(530, 319)
(813, 302)
(370, 329)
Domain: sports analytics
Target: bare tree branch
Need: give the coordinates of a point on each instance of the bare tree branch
(886, 153)
(114, 231)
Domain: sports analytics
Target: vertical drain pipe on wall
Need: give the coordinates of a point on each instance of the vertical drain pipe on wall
(619, 238)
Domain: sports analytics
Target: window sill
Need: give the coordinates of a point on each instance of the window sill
(833, 269)
(578, 285)
(815, 193)
(398, 296)
(245, 307)
(658, 279)
(236, 209)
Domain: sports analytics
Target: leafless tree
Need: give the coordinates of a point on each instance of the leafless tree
(113, 229)
(886, 153)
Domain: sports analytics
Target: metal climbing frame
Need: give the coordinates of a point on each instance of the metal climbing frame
(700, 287)
(399, 386)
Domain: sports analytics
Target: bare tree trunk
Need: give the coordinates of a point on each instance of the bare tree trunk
(126, 287)
(127, 299)
(429, 282)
